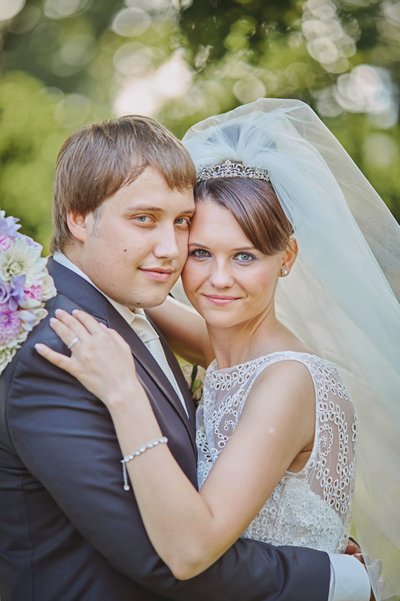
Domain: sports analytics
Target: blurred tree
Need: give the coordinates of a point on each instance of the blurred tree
(183, 60)
(64, 63)
(30, 135)
(342, 57)
(60, 38)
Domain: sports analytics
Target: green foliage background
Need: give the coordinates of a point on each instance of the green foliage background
(64, 62)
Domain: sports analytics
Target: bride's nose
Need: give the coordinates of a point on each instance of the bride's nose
(220, 274)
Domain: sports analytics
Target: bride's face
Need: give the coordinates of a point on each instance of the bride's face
(226, 278)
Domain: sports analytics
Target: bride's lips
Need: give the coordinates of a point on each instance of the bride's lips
(160, 274)
(220, 299)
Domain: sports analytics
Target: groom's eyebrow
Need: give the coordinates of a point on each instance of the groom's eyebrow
(136, 208)
(144, 208)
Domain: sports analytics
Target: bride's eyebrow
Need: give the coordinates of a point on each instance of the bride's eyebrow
(238, 249)
(243, 248)
(197, 244)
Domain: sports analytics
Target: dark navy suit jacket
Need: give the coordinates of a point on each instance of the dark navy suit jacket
(68, 530)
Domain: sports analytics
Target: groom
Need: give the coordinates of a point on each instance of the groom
(68, 531)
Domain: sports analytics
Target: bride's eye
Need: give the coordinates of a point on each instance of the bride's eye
(199, 253)
(244, 257)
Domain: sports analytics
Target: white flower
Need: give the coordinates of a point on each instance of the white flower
(6, 354)
(30, 319)
(30, 303)
(47, 286)
(25, 285)
(21, 258)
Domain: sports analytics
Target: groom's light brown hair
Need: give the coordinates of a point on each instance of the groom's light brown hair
(97, 160)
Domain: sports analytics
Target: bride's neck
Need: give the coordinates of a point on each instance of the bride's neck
(244, 342)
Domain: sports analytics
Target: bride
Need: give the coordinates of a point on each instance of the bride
(291, 295)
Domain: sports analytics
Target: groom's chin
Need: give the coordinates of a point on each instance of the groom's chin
(150, 300)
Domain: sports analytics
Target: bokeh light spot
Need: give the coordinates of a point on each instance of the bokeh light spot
(10, 8)
(130, 22)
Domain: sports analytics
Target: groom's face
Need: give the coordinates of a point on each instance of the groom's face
(134, 247)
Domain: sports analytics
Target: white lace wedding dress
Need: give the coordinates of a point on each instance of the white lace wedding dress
(310, 508)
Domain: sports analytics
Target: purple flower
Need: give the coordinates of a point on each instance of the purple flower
(10, 324)
(9, 226)
(25, 285)
(17, 292)
(5, 290)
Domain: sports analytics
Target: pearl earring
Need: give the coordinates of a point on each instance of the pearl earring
(284, 271)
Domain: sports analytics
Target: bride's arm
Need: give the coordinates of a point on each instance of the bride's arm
(191, 530)
(184, 329)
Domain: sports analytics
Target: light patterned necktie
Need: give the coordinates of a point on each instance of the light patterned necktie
(143, 328)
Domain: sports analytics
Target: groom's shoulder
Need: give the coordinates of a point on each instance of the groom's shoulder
(43, 331)
(26, 359)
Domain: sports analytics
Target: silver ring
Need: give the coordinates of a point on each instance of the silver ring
(73, 342)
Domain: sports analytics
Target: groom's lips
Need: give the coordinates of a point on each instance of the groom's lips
(160, 274)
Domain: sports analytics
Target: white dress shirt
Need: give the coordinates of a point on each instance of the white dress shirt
(349, 579)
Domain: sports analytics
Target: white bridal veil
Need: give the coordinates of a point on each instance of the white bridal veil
(340, 297)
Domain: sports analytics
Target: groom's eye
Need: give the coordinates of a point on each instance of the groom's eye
(183, 221)
(146, 219)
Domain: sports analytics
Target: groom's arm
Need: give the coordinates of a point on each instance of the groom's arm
(66, 439)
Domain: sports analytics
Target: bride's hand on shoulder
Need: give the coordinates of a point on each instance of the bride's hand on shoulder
(100, 358)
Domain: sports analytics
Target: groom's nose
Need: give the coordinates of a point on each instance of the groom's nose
(167, 245)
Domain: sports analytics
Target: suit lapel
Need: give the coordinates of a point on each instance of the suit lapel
(149, 364)
(176, 370)
(91, 300)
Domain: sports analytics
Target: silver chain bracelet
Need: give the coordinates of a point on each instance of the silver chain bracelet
(149, 445)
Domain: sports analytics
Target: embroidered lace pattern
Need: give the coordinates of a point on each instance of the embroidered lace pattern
(309, 508)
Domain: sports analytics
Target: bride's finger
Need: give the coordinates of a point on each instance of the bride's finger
(58, 359)
(70, 336)
(72, 322)
(88, 321)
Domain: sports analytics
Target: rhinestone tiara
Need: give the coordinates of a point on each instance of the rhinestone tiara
(230, 169)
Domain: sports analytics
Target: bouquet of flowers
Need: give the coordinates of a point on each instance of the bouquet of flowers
(25, 285)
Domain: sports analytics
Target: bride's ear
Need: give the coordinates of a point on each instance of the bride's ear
(289, 256)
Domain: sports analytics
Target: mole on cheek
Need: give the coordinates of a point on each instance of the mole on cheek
(125, 249)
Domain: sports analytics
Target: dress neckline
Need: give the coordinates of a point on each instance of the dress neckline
(213, 366)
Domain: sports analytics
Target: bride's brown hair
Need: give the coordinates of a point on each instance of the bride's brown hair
(256, 208)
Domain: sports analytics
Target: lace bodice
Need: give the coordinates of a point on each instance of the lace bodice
(309, 508)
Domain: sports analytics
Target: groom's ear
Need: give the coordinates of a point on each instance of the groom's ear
(79, 225)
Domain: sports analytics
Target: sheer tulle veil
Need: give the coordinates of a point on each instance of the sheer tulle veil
(340, 297)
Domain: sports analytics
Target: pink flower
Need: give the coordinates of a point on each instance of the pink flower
(5, 242)
(9, 324)
(34, 292)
